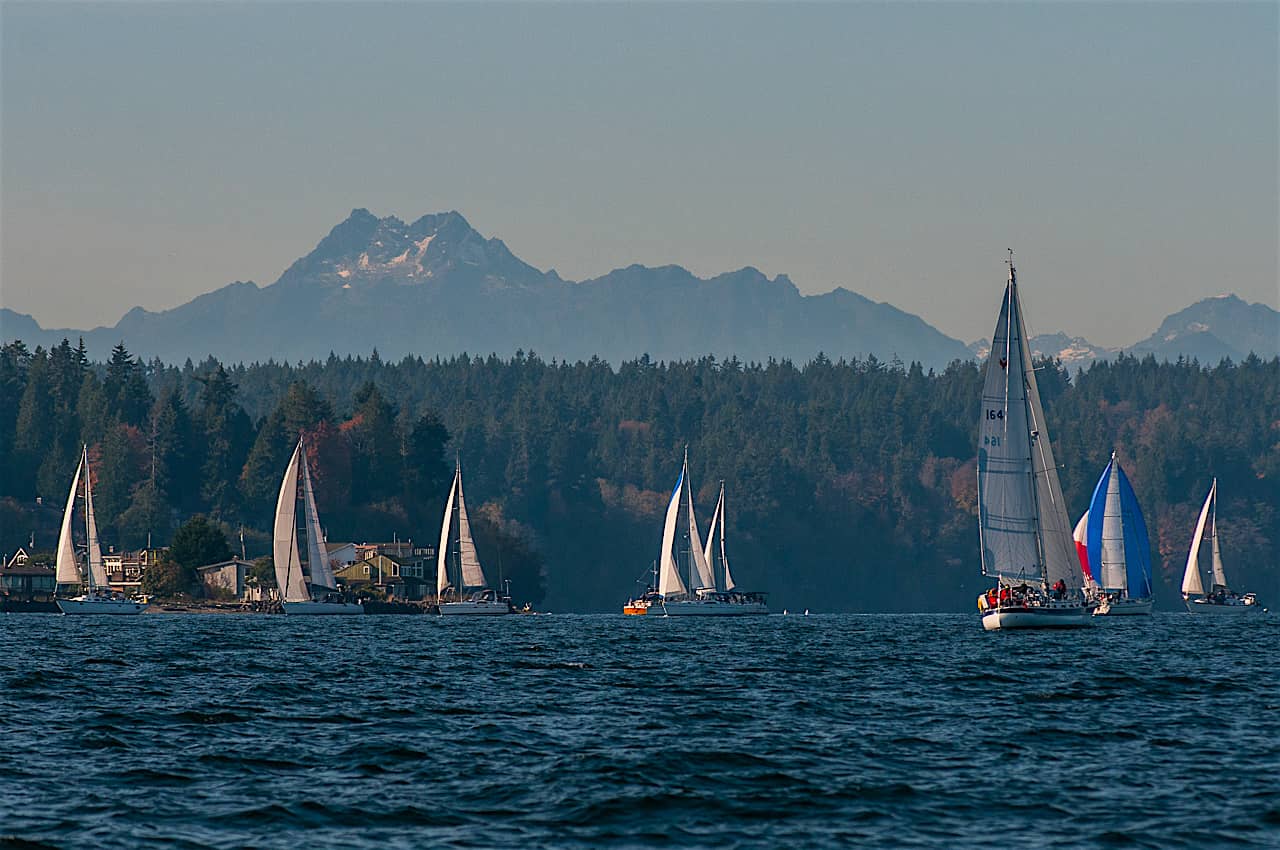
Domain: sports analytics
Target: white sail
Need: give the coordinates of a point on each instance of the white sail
(703, 569)
(442, 556)
(1191, 583)
(711, 529)
(284, 548)
(97, 571)
(1219, 574)
(724, 558)
(1114, 573)
(317, 558)
(669, 583)
(1006, 490)
(68, 572)
(472, 574)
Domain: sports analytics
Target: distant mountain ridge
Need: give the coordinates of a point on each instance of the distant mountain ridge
(437, 287)
(1209, 330)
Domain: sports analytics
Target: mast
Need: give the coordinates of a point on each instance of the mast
(88, 524)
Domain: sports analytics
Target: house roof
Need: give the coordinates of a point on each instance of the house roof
(222, 564)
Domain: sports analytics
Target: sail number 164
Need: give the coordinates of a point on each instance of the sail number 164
(995, 414)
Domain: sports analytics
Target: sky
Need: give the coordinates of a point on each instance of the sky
(1127, 152)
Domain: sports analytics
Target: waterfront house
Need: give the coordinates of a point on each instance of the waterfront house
(230, 578)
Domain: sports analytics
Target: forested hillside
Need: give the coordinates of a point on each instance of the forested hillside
(850, 485)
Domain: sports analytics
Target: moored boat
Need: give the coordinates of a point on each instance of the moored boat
(1024, 535)
(1220, 599)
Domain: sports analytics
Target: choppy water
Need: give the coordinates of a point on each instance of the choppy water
(604, 731)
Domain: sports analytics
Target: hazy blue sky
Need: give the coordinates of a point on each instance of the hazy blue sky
(1128, 153)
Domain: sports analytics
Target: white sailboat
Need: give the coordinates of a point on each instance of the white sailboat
(315, 592)
(98, 597)
(1116, 545)
(700, 597)
(1220, 599)
(1023, 530)
(480, 599)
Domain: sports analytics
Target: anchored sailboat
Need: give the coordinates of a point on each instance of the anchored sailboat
(479, 599)
(1116, 543)
(1024, 534)
(315, 592)
(1220, 599)
(700, 597)
(98, 597)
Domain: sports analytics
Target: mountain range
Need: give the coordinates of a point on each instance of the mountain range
(436, 286)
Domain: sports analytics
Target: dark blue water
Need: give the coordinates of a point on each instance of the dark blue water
(604, 731)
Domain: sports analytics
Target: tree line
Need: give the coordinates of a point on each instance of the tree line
(851, 484)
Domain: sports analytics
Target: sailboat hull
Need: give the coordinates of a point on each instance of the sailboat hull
(317, 609)
(475, 608)
(84, 605)
(1036, 617)
(1124, 608)
(714, 609)
(1202, 606)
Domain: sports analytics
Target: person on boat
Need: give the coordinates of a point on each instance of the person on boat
(1059, 589)
(1004, 595)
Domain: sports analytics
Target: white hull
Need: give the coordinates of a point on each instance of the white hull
(1036, 617)
(1200, 606)
(713, 609)
(1124, 608)
(480, 608)
(82, 605)
(322, 608)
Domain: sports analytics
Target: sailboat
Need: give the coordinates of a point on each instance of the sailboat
(1023, 531)
(1116, 544)
(1220, 599)
(480, 598)
(700, 597)
(314, 592)
(98, 597)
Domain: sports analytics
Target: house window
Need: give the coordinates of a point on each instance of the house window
(366, 569)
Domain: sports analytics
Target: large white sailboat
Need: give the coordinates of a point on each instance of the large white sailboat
(1116, 546)
(1023, 530)
(700, 597)
(1220, 599)
(471, 595)
(98, 597)
(314, 592)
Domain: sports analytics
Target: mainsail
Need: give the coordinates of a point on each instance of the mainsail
(288, 565)
(68, 572)
(317, 557)
(717, 524)
(1023, 525)
(1191, 583)
(1219, 574)
(669, 583)
(472, 574)
(97, 571)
